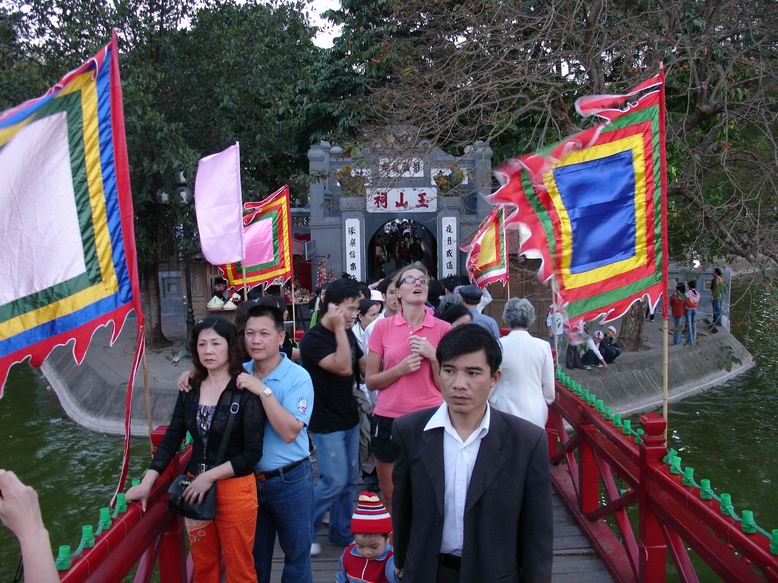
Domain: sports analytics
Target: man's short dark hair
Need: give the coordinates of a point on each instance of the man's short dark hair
(274, 301)
(384, 285)
(339, 291)
(453, 312)
(364, 290)
(272, 312)
(467, 339)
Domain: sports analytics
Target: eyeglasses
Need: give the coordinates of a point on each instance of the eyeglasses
(410, 280)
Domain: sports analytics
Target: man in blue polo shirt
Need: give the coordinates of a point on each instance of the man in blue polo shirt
(284, 476)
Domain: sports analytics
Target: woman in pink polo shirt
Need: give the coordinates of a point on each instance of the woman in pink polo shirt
(401, 364)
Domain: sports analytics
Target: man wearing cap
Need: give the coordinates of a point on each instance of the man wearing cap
(609, 346)
(220, 288)
(471, 295)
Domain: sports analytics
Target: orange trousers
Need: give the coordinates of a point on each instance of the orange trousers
(230, 536)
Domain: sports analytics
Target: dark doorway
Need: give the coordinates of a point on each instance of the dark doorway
(397, 243)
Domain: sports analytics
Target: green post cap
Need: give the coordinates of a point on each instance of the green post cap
(121, 503)
(639, 436)
(669, 456)
(592, 399)
(105, 518)
(706, 493)
(600, 406)
(135, 482)
(608, 413)
(726, 502)
(688, 476)
(87, 536)
(627, 429)
(617, 420)
(586, 394)
(675, 465)
(63, 558)
(774, 541)
(748, 525)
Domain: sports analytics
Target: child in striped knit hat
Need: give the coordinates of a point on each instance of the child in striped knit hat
(369, 559)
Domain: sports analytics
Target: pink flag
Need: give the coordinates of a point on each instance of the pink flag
(218, 203)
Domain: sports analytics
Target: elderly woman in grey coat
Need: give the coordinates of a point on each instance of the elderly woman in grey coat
(527, 384)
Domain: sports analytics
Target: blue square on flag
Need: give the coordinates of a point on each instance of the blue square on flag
(599, 197)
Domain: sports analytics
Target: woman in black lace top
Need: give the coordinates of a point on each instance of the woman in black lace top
(204, 412)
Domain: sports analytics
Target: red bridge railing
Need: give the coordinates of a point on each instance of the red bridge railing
(593, 453)
(135, 540)
(601, 466)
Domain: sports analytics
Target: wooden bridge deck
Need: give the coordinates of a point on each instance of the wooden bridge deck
(574, 558)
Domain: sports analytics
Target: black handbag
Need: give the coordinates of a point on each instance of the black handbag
(206, 508)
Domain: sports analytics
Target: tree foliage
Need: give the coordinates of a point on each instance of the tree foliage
(510, 71)
(197, 76)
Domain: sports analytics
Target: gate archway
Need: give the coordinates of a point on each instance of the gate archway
(401, 241)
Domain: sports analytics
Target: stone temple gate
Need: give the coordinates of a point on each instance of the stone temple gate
(357, 196)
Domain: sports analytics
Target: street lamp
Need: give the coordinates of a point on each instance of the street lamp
(185, 196)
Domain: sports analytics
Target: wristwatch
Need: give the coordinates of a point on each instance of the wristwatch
(267, 392)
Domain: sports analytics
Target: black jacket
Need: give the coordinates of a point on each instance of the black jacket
(508, 523)
(244, 447)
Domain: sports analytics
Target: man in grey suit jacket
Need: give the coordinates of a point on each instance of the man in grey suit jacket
(472, 491)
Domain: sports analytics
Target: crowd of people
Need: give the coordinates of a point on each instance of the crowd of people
(401, 386)
(397, 389)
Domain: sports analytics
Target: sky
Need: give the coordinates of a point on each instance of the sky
(325, 37)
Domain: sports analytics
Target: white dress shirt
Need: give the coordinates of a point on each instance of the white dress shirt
(458, 463)
(527, 384)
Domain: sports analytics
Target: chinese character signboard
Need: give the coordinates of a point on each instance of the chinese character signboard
(449, 259)
(353, 247)
(398, 200)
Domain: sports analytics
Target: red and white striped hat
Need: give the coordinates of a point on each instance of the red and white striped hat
(370, 516)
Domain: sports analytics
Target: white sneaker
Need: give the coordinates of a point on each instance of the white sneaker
(315, 549)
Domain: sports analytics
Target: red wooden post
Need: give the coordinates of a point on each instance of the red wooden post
(653, 547)
(551, 433)
(590, 477)
(172, 553)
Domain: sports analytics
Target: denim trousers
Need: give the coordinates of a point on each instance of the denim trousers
(338, 459)
(716, 312)
(691, 326)
(285, 507)
(678, 328)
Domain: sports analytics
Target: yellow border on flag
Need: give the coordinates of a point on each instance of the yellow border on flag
(284, 249)
(574, 280)
(109, 284)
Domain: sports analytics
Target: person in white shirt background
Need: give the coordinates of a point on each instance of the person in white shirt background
(527, 384)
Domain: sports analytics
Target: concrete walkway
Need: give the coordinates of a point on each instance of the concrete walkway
(633, 383)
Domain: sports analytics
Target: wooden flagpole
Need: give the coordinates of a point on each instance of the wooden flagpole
(665, 369)
(665, 255)
(294, 312)
(553, 321)
(147, 399)
(245, 283)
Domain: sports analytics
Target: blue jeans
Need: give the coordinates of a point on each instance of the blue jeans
(285, 506)
(716, 312)
(338, 459)
(677, 328)
(691, 326)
